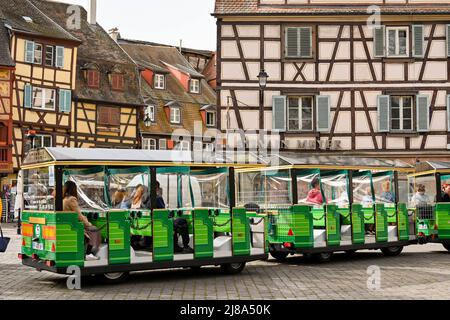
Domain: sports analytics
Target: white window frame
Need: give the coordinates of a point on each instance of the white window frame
(175, 115)
(184, 145)
(148, 144)
(194, 86)
(41, 137)
(160, 81)
(42, 52)
(162, 144)
(213, 123)
(401, 118)
(53, 56)
(43, 98)
(300, 113)
(397, 41)
(150, 112)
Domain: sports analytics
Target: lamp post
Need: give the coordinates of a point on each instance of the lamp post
(262, 77)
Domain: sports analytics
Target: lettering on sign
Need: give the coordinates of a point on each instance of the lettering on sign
(313, 145)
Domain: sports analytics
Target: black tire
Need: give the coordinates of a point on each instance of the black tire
(392, 251)
(350, 253)
(446, 245)
(232, 268)
(279, 255)
(113, 278)
(322, 257)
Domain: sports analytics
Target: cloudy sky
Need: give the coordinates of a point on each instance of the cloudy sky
(162, 21)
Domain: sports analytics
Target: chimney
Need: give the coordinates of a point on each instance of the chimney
(114, 34)
(181, 45)
(92, 12)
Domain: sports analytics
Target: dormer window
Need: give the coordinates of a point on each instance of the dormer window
(175, 115)
(93, 78)
(194, 86)
(210, 118)
(160, 81)
(149, 115)
(117, 83)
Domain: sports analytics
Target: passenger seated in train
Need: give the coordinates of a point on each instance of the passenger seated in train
(118, 198)
(446, 193)
(420, 198)
(367, 199)
(91, 233)
(386, 194)
(315, 194)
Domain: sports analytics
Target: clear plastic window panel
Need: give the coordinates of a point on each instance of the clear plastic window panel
(403, 187)
(210, 190)
(250, 189)
(384, 188)
(335, 190)
(309, 190)
(175, 190)
(38, 193)
(362, 190)
(277, 189)
(123, 185)
(422, 191)
(91, 191)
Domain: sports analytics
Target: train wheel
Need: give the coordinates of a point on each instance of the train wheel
(232, 268)
(279, 255)
(323, 256)
(446, 245)
(350, 253)
(392, 251)
(113, 278)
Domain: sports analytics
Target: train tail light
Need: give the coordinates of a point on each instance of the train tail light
(49, 263)
(287, 245)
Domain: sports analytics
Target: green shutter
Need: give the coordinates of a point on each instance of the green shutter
(59, 62)
(323, 113)
(292, 42)
(379, 34)
(29, 51)
(418, 41)
(28, 96)
(423, 113)
(384, 114)
(306, 42)
(279, 113)
(65, 100)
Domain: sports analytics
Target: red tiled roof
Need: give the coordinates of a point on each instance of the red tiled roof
(251, 7)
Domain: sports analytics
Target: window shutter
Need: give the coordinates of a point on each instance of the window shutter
(384, 114)
(29, 51)
(379, 34)
(448, 40)
(418, 41)
(448, 113)
(59, 62)
(292, 42)
(28, 96)
(279, 113)
(323, 113)
(65, 100)
(423, 113)
(305, 42)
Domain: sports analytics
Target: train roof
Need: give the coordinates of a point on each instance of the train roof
(433, 166)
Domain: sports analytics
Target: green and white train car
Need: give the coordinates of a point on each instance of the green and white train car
(221, 233)
(357, 203)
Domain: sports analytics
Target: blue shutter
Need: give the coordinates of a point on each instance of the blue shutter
(384, 113)
(29, 51)
(65, 100)
(418, 41)
(379, 43)
(279, 113)
(59, 62)
(28, 96)
(423, 113)
(323, 113)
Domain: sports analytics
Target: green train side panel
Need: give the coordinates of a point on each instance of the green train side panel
(443, 220)
(162, 236)
(141, 226)
(119, 238)
(101, 223)
(403, 222)
(222, 222)
(333, 225)
(68, 247)
(345, 216)
(391, 214)
(358, 230)
(381, 223)
(318, 217)
(302, 227)
(240, 230)
(280, 227)
(369, 215)
(203, 234)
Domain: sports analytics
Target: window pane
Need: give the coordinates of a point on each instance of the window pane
(47, 141)
(49, 99)
(49, 53)
(402, 34)
(37, 98)
(306, 114)
(392, 40)
(395, 124)
(395, 113)
(294, 125)
(38, 53)
(407, 124)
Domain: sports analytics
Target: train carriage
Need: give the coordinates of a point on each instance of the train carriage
(426, 197)
(202, 193)
(320, 205)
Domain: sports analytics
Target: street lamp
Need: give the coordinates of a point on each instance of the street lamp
(262, 77)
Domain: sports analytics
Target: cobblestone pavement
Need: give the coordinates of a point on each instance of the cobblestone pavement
(421, 272)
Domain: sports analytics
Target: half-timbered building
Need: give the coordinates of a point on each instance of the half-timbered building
(44, 77)
(340, 80)
(7, 67)
(107, 96)
(180, 105)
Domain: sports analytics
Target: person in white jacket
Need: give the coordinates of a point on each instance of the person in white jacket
(18, 205)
